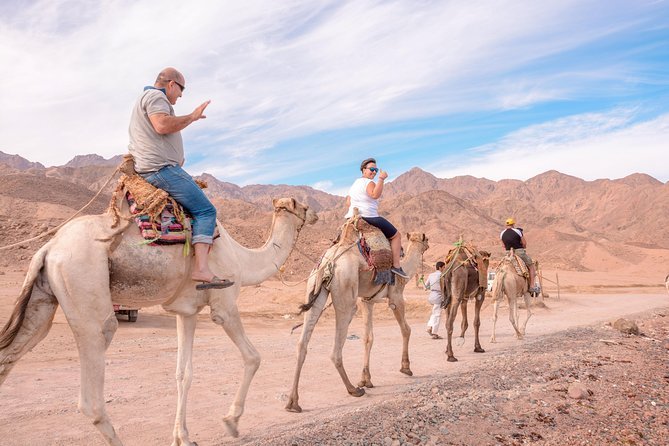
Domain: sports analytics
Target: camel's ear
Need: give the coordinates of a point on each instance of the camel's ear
(424, 237)
(274, 202)
(293, 204)
(408, 236)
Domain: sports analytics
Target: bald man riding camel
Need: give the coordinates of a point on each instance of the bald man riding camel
(157, 147)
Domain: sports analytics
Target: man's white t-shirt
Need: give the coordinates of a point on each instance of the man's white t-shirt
(436, 296)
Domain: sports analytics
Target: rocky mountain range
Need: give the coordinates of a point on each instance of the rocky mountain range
(615, 226)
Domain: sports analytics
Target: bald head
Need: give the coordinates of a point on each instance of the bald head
(169, 74)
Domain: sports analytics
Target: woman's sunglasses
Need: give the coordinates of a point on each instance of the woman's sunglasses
(373, 169)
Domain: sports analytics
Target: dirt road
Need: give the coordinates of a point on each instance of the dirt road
(39, 398)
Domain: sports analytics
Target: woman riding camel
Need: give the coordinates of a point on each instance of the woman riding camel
(364, 194)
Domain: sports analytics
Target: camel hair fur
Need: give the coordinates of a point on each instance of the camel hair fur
(88, 265)
(509, 283)
(461, 281)
(351, 277)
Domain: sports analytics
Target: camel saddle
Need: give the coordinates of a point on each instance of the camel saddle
(373, 245)
(166, 229)
(472, 258)
(161, 220)
(518, 264)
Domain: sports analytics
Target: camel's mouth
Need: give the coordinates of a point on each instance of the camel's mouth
(311, 217)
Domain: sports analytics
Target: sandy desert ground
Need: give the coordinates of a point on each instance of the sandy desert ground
(515, 393)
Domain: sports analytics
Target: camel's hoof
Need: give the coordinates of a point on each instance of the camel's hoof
(406, 371)
(358, 392)
(295, 408)
(367, 384)
(230, 425)
(479, 350)
(459, 341)
(452, 359)
(493, 341)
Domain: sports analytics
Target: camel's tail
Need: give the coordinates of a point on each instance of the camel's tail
(314, 286)
(13, 325)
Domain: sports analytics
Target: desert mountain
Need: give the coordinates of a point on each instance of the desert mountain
(571, 224)
(93, 160)
(17, 162)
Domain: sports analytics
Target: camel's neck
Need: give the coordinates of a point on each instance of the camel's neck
(412, 259)
(257, 265)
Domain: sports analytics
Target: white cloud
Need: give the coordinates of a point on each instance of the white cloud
(588, 146)
(276, 71)
(325, 186)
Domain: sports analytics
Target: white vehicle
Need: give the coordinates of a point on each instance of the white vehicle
(491, 278)
(129, 311)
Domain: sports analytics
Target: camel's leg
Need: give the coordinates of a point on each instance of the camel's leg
(80, 282)
(93, 329)
(455, 304)
(477, 322)
(310, 319)
(464, 324)
(399, 310)
(36, 324)
(224, 312)
(495, 307)
(513, 314)
(367, 309)
(529, 312)
(184, 376)
(344, 311)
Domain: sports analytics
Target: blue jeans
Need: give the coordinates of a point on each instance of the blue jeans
(181, 186)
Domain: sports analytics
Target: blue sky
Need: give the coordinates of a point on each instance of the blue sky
(303, 90)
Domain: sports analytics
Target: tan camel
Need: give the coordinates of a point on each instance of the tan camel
(87, 265)
(351, 278)
(512, 284)
(462, 281)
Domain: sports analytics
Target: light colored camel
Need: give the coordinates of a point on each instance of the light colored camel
(508, 282)
(87, 265)
(351, 278)
(461, 282)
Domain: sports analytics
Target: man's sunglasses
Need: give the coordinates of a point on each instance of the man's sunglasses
(180, 86)
(373, 169)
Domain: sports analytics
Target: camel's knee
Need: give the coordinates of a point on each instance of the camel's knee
(109, 327)
(184, 376)
(253, 360)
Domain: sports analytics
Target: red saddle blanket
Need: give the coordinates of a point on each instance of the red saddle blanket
(167, 231)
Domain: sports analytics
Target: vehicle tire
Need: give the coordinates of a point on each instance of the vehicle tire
(132, 315)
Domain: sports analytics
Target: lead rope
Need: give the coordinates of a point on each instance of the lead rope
(281, 269)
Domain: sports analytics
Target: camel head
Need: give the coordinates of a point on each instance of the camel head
(420, 238)
(296, 208)
(482, 259)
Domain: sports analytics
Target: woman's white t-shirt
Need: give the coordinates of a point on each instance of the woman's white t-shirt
(367, 206)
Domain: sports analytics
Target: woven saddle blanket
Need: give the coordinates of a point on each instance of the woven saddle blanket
(518, 264)
(167, 230)
(375, 248)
